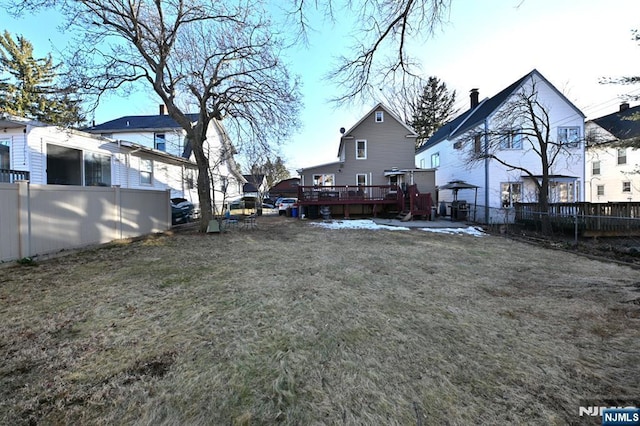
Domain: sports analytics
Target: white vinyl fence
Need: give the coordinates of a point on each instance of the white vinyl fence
(41, 219)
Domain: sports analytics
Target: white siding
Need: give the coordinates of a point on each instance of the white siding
(611, 174)
(174, 139)
(454, 166)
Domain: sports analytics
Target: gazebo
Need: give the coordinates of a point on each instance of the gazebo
(460, 208)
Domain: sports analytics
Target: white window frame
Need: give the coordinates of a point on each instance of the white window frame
(626, 187)
(98, 166)
(363, 157)
(7, 143)
(323, 179)
(595, 168)
(163, 137)
(435, 160)
(511, 140)
(146, 171)
(568, 140)
(379, 116)
(600, 190)
(363, 181)
(422, 163)
(621, 156)
(507, 194)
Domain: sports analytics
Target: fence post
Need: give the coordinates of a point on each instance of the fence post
(24, 218)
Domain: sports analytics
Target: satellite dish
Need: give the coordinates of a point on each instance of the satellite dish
(342, 130)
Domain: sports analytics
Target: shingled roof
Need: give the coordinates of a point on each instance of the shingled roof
(622, 124)
(138, 122)
(476, 115)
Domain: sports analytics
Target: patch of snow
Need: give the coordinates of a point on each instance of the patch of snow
(470, 230)
(357, 224)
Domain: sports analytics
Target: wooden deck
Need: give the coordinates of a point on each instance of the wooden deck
(593, 219)
(376, 196)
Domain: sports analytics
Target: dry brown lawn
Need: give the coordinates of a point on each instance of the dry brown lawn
(294, 324)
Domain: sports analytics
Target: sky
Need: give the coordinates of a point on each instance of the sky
(484, 44)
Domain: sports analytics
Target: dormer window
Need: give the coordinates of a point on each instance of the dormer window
(379, 116)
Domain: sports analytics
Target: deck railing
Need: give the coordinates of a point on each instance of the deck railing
(10, 176)
(349, 194)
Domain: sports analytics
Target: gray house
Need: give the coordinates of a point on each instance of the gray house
(375, 166)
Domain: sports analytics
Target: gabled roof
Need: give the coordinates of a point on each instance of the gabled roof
(412, 132)
(389, 112)
(621, 124)
(139, 122)
(253, 182)
(475, 116)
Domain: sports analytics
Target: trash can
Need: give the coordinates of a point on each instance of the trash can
(294, 211)
(288, 212)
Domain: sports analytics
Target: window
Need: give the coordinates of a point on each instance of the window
(511, 140)
(622, 156)
(595, 168)
(600, 190)
(190, 179)
(159, 142)
(323, 180)
(5, 155)
(435, 160)
(379, 116)
(510, 193)
(361, 179)
(146, 171)
(361, 150)
(97, 169)
(569, 136)
(422, 163)
(562, 192)
(477, 144)
(626, 186)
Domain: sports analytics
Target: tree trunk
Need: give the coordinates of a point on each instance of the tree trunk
(543, 205)
(204, 185)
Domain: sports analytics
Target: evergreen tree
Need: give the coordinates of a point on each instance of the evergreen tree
(27, 86)
(431, 109)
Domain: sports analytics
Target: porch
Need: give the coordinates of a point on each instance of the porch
(11, 176)
(376, 197)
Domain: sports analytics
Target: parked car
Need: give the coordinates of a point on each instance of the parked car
(182, 211)
(246, 202)
(267, 204)
(286, 203)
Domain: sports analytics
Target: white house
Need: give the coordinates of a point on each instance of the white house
(46, 154)
(491, 146)
(613, 157)
(162, 133)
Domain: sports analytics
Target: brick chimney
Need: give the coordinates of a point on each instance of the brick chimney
(474, 95)
(624, 106)
(161, 109)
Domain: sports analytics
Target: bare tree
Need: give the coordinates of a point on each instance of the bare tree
(384, 29)
(523, 123)
(220, 58)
